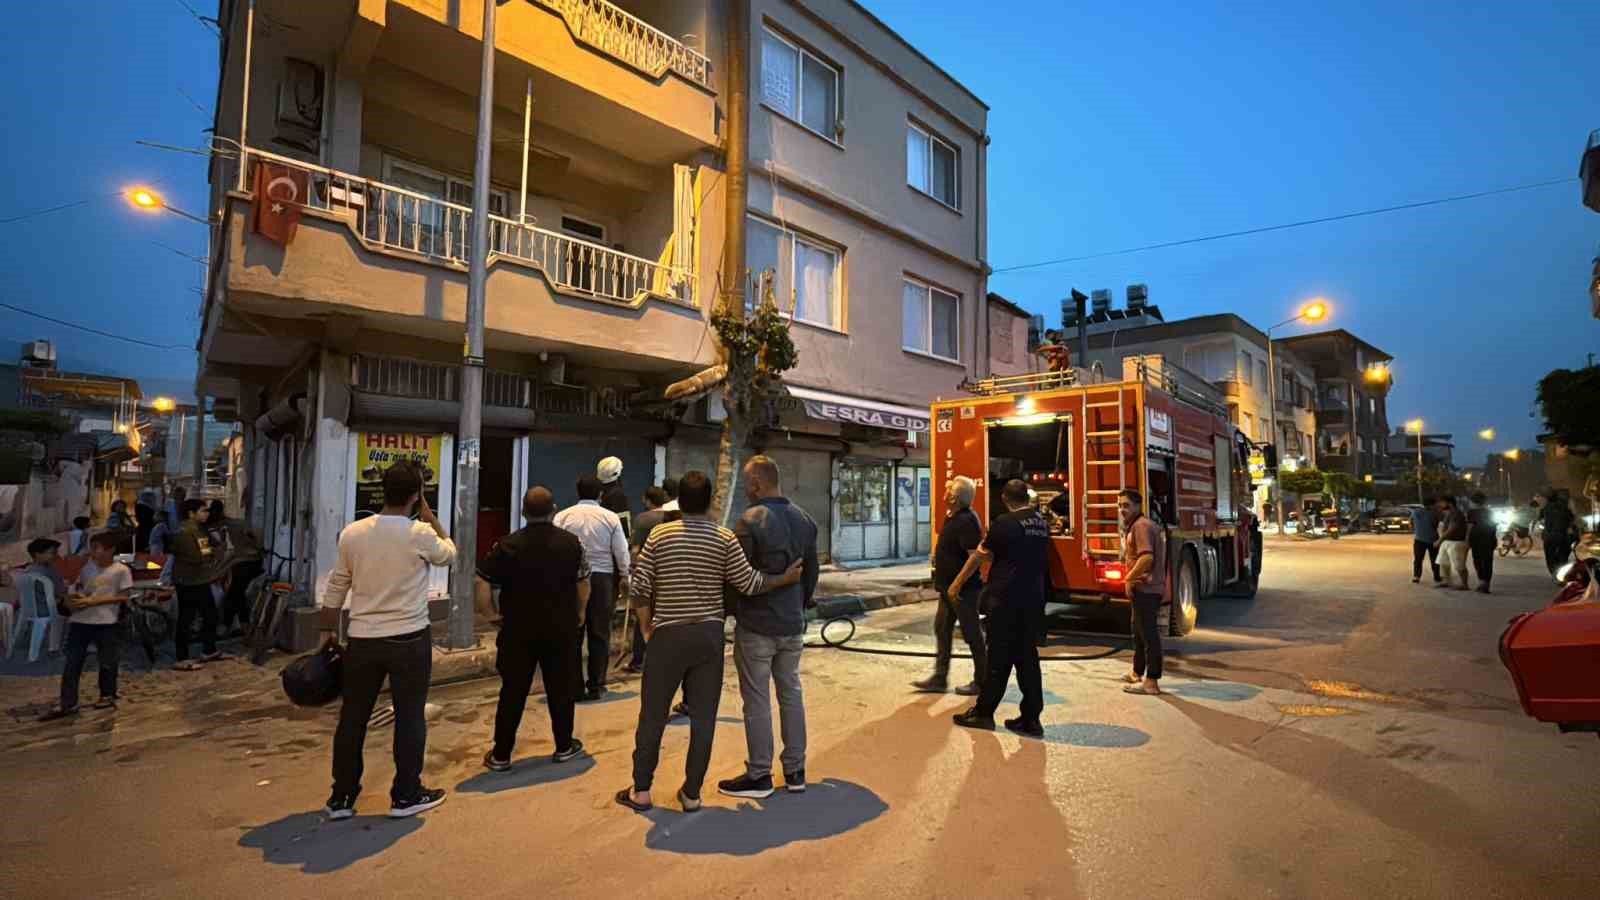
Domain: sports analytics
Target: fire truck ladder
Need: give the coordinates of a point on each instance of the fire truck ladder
(1106, 442)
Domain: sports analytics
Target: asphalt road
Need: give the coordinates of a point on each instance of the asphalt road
(1343, 734)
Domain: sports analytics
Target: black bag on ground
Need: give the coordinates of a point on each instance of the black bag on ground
(315, 679)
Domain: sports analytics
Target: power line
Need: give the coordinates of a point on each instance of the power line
(118, 337)
(40, 212)
(211, 25)
(1266, 228)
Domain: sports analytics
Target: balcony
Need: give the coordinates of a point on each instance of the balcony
(600, 74)
(405, 223)
(629, 40)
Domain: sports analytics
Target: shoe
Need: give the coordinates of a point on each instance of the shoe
(111, 702)
(425, 800)
(970, 689)
(795, 782)
(1443, 584)
(590, 695)
(973, 719)
(215, 656)
(681, 710)
(1416, 580)
(495, 765)
(1483, 589)
(1025, 728)
(689, 804)
(747, 787)
(934, 685)
(340, 806)
(59, 712)
(573, 751)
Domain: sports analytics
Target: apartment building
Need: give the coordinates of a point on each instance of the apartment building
(335, 313)
(1353, 380)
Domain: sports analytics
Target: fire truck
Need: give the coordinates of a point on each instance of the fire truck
(1079, 440)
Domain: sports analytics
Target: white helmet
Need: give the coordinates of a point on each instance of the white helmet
(609, 470)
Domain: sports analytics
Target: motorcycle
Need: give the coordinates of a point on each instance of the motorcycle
(1553, 654)
(1516, 539)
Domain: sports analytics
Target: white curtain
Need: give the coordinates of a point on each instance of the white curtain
(779, 61)
(914, 316)
(916, 159)
(814, 273)
(946, 325)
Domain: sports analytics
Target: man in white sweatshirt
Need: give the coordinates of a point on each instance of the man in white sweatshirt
(382, 577)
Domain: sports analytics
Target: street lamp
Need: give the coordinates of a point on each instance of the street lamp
(1508, 456)
(163, 404)
(148, 200)
(1487, 434)
(1314, 311)
(1415, 426)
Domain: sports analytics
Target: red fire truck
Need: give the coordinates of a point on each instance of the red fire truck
(1078, 444)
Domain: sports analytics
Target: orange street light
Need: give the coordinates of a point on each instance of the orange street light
(148, 200)
(1315, 311)
(163, 404)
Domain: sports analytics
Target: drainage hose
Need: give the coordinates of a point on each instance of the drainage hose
(839, 644)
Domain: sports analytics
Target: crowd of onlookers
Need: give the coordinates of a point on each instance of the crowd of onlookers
(206, 559)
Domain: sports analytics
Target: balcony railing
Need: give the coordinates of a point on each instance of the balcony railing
(398, 377)
(398, 219)
(625, 37)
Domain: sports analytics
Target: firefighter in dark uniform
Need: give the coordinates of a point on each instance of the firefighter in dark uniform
(1018, 546)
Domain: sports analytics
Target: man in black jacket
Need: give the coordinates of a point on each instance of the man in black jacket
(774, 533)
(543, 578)
(960, 536)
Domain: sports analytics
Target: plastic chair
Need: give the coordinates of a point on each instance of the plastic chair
(38, 611)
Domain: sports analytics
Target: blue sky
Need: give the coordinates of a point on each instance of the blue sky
(1114, 125)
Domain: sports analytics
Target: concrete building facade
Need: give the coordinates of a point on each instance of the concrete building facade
(866, 201)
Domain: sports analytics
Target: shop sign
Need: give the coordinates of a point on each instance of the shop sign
(860, 415)
(376, 451)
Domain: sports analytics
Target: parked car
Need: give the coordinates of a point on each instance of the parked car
(1391, 520)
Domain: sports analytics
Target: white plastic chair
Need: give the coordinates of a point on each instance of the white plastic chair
(37, 611)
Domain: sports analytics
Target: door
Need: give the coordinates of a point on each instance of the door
(866, 526)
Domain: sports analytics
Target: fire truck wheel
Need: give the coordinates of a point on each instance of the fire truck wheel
(1186, 597)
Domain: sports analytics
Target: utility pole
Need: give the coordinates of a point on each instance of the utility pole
(199, 446)
(468, 431)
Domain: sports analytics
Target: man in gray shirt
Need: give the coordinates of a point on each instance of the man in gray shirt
(774, 534)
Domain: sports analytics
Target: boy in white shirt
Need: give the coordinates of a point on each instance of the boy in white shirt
(102, 587)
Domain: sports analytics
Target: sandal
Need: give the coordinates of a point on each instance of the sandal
(1131, 678)
(625, 798)
(1141, 689)
(188, 665)
(689, 804)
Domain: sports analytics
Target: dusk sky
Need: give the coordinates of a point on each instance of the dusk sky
(1112, 127)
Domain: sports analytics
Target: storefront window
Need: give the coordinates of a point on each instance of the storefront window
(863, 494)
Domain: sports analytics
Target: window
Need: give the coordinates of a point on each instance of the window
(1261, 373)
(1249, 424)
(931, 321)
(932, 167)
(805, 273)
(863, 494)
(431, 228)
(581, 260)
(799, 85)
(1245, 368)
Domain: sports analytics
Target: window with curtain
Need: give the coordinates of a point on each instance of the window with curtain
(1246, 370)
(931, 321)
(799, 85)
(805, 273)
(932, 166)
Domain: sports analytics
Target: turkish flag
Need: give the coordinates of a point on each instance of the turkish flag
(279, 191)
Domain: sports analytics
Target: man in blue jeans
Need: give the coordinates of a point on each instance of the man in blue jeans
(774, 534)
(382, 577)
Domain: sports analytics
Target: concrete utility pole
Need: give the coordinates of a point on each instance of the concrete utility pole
(468, 466)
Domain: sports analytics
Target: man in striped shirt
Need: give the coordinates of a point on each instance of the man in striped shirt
(677, 587)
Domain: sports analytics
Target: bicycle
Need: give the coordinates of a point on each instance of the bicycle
(146, 622)
(269, 599)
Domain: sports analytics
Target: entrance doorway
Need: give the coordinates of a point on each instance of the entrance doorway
(496, 514)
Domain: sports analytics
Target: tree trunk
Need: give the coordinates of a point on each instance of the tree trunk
(735, 432)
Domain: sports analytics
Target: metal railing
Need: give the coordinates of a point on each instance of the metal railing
(395, 218)
(622, 35)
(398, 377)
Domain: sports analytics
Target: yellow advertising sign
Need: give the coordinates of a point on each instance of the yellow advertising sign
(377, 451)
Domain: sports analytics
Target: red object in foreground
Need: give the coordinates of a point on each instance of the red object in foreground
(1553, 656)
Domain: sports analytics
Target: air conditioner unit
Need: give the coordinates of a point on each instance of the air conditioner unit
(1100, 300)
